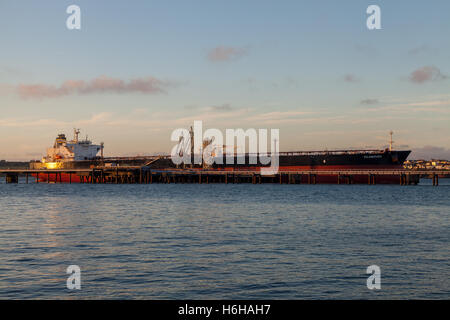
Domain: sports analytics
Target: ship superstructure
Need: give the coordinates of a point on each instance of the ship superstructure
(73, 150)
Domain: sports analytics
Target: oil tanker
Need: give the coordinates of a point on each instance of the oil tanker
(78, 154)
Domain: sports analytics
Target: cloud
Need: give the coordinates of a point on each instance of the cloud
(223, 54)
(8, 70)
(423, 49)
(427, 73)
(370, 101)
(432, 104)
(430, 152)
(101, 84)
(281, 117)
(350, 78)
(97, 118)
(223, 107)
(22, 123)
(12, 72)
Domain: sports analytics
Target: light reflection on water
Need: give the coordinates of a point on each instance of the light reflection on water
(224, 241)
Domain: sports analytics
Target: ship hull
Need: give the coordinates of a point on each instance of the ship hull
(345, 177)
(57, 178)
(343, 167)
(324, 160)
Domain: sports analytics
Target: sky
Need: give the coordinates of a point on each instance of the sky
(138, 70)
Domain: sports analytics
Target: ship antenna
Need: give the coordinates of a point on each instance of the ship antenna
(391, 142)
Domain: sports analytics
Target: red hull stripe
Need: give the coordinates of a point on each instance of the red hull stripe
(324, 179)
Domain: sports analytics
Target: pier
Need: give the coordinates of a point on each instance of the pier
(145, 175)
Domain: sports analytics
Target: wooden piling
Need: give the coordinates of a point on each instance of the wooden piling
(435, 180)
(12, 178)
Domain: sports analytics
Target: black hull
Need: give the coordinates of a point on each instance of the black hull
(287, 160)
(384, 159)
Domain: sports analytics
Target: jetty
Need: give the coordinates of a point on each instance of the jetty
(146, 175)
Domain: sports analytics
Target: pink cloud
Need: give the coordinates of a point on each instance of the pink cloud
(221, 54)
(101, 84)
(424, 74)
(350, 78)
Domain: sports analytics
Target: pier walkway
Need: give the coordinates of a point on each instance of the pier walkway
(138, 174)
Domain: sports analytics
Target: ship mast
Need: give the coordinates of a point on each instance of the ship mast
(191, 135)
(391, 142)
(75, 134)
